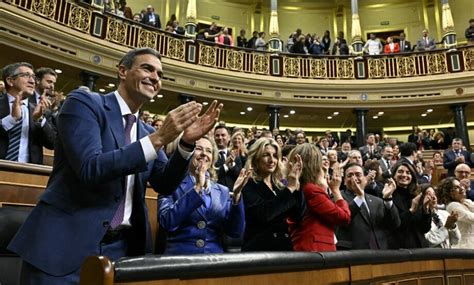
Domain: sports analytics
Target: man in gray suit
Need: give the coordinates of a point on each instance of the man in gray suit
(371, 216)
(425, 43)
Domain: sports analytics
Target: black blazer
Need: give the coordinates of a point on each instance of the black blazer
(364, 225)
(413, 226)
(37, 136)
(228, 178)
(265, 217)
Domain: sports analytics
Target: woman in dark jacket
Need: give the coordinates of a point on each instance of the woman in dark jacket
(268, 202)
(414, 210)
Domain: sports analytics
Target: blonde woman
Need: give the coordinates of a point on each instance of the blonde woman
(268, 202)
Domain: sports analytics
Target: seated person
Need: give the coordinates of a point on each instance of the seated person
(196, 214)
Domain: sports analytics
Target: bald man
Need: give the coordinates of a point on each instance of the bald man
(463, 173)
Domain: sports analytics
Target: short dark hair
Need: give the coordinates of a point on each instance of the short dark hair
(42, 71)
(129, 58)
(407, 149)
(10, 70)
(221, 127)
(351, 164)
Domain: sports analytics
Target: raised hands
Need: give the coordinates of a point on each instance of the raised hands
(240, 183)
(389, 188)
(43, 105)
(294, 169)
(451, 220)
(176, 122)
(202, 124)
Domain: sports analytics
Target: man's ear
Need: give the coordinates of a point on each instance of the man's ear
(122, 72)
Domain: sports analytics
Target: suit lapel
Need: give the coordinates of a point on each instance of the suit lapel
(114, 117)
(372, 209)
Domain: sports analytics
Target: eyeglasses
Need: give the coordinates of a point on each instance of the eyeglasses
(25, 74)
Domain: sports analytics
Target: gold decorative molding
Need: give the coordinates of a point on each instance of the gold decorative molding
(44, 7)
(291, 67)
(116, 31)
(80, 18)
(235, 60)
(261, 63)
(207, 55)
(176, 49)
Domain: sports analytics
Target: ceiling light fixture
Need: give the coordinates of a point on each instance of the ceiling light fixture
(335, 113)
(111, 85)
(58, 71)
(205, 103)
(102, 90)
(249, 109)
(424, 115)
(286, 116)
(329, 117)
(152, 100)
(380, 113)
(242, 113)
(375, 117)
(429, 110)
(159, 95)
(292, 112)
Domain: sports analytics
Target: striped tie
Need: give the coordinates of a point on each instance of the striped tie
(14, 137)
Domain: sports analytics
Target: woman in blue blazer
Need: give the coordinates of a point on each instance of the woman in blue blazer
(197, 214)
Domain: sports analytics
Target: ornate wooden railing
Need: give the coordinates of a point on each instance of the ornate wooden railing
(131, 34)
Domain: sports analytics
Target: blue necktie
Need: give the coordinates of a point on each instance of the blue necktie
(118, 217)
(14, 137)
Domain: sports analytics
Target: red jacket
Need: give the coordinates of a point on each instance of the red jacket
(315, 232)
(396, 48)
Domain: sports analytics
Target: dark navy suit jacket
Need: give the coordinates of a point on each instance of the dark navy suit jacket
(87, 183)
(187, 220)
(450, 160)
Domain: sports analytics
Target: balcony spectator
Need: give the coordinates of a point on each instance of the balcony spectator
(314, 229)
(444, 232)
(290, 42)
(453, 195)
(253, 39)
(373, 46)
(211, 33)
(426, 43)
(456, 156)
(137, 17)
(391, 47)
(326, 42)
(469, 33)
(405, 46)
(316, 47)
(260, 43)
(340, 47)
(299, 46)
(242, 40)
(181, 213)
(224, 38)
(151, 18)
(268, 202)
(125, 10)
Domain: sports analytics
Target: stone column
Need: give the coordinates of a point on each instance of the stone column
(185, 98)
(361, 131)
(274, 44)
(190, 27)
(89, 79)
(274, 121)
(357, 44)
(449, 35)
(460, 124)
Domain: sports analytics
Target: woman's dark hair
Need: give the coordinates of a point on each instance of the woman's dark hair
(444, 189)
(374, 165)
(412, 187)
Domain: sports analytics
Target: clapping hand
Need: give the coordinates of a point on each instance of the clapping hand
(43, 105)
(200, 175)
(240, 183)
(294, 172)
(451, 220)
(203, 124)
(389, 188)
